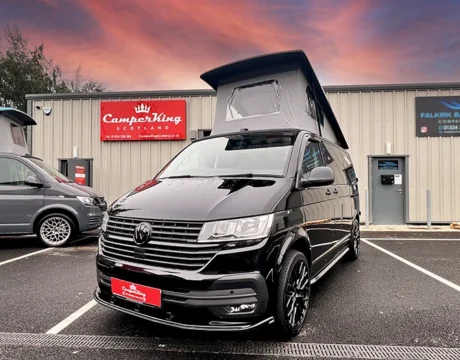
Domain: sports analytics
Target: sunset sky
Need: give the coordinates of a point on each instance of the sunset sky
(167, 44)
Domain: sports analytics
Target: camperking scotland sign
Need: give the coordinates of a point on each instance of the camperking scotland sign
(143, 120)
(437, 116)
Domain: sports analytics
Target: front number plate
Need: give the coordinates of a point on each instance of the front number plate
(135, 292)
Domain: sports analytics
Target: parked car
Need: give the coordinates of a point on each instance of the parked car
(37, 199)
(205, 246)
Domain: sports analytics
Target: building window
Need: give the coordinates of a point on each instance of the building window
(17, 135)
(262, 98)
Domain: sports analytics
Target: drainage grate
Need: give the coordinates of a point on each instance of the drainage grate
(334, 351)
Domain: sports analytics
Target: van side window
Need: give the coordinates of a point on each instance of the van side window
(311, 158)
(333, 157)
(13, 172)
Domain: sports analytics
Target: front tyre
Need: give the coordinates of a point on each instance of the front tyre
(55, 230)
(293, 294)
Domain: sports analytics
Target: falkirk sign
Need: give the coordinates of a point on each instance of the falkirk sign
(143, 120)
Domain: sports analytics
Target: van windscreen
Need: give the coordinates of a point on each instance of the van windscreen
(264, 154)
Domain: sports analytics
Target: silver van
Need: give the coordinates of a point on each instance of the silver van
(37, 199)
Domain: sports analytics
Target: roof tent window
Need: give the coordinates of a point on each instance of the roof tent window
(311, 105)
(262, 98)
(17, 135)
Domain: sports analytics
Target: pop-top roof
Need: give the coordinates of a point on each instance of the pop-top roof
(17, 115)
(270, 64)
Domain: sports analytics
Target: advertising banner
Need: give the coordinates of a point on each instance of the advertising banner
(143, 120)
(437, 116)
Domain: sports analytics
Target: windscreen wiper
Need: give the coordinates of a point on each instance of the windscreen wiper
(184, 176)
(177, 177)
(250, 175)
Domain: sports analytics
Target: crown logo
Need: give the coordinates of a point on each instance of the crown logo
(133, 287)
(142, 108)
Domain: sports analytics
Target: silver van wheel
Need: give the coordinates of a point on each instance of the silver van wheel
(55, 230)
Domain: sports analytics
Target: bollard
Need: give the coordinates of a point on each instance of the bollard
(428, 208)
(367, 209)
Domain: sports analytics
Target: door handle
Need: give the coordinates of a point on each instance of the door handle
(399, 191)
(328, 192)
(336, 191)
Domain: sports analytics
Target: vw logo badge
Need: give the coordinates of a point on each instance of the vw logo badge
(142, 233)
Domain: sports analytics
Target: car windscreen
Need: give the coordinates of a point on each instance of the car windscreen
(55, 174)
(265, 154)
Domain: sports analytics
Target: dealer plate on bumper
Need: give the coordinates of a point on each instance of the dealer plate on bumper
(137, 293)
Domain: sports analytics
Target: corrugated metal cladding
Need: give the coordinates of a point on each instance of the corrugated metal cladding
(370, 118)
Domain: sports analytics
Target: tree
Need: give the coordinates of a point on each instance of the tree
(28, 71)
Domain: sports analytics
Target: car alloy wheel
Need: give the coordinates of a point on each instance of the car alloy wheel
(55, 230)
(293, 293)
(355, 242)
(297, 294)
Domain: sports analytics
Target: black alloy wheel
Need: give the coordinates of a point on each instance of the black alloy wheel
(293, 293)
(355, 241)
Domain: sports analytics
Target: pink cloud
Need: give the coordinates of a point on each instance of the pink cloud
(161, 44)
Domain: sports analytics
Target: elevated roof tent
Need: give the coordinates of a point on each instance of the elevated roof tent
(12, 137)
(273, 91)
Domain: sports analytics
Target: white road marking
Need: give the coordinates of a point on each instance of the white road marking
(411, 239)
(71, 318)
(429, 273)
(24, 256)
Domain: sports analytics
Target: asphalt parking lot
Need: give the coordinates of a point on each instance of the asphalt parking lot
(400, 300)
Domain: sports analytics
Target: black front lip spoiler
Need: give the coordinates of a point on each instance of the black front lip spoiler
(223, 328)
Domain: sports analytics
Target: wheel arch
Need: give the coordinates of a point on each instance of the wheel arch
(57, 210)
(295, 240)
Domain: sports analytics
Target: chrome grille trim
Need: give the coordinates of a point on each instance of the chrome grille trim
(173, 244)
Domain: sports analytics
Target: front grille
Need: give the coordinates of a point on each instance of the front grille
(101, 203)
(173, 244)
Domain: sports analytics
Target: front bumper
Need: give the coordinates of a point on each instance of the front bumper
(189, 301)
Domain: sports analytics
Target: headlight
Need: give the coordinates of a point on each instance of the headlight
(86, 200)
(104, 222)
(250, 228)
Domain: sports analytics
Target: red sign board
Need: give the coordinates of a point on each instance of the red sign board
(143, 120)
(80, 175)
(135, 292)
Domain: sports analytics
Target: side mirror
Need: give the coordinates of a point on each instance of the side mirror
(319, 176)
(33, 181)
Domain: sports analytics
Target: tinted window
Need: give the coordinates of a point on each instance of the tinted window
(58, 176)
(263, 154)
(335, 160)
(13, 172)
(311, 158)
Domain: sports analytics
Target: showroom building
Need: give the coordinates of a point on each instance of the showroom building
(404, 140)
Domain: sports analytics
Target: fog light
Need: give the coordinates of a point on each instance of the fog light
(242, 308)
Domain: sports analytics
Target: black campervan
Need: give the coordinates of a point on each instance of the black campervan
(232, 233)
